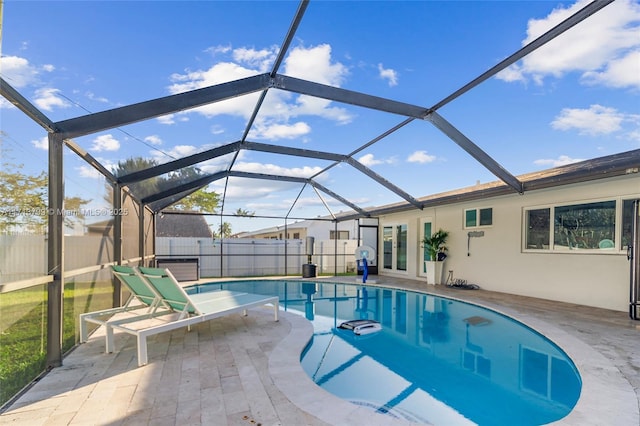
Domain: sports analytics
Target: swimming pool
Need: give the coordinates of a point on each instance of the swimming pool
(435, 360)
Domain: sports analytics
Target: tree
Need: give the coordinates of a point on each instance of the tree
(24, 199)
(224, 230)
(244, 213)
(74, 211)
(26, 204)
(135, 164)
(199, 201)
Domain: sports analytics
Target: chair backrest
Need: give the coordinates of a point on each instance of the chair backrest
(170, 290)
(136, 285)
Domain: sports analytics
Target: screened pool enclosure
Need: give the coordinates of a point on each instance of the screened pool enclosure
(58, 242)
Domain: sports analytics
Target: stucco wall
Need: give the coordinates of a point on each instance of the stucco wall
(497, 261)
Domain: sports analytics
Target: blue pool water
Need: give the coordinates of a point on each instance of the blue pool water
(435, 361)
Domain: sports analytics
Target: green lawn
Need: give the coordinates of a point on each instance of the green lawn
(23, 327)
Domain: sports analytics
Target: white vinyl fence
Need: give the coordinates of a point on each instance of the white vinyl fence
(240, 257)
(22, 257)
(25, 256)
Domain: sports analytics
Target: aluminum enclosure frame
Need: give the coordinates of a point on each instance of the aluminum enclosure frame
(63, 132)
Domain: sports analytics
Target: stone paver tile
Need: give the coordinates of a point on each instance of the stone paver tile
(31, 417)
(136, 418)
(188, 412)
(164, 408)
(231, 384)
(235, 402)
(212, 407)
(164, 421)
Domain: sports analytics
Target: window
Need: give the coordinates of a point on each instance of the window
(342, 235)
(587, 226)
(537, 222)
(296, 235)
(474, 218)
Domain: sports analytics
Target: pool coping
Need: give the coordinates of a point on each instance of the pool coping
(606, 396)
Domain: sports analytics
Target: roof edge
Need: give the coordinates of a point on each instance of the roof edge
(620, 164)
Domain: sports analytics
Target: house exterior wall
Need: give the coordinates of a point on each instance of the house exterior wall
(308, 228)
(498, 261)
(279, 234)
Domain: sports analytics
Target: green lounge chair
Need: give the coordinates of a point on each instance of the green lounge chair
(188, 309)
(144, 302)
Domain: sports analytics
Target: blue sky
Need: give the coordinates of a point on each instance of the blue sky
(576, 98)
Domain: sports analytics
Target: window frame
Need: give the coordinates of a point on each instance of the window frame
(478, 211)
(618, 226)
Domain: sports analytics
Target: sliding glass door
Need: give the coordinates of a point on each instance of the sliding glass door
(394, 245)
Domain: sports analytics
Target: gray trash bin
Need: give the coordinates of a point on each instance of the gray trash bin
(309, 270)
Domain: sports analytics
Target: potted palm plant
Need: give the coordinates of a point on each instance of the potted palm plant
(435, 246)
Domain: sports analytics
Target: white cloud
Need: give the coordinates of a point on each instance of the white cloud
(17, 71)
(560, 161)
(47, 98)
(388, 74)
(280, 131)
(209, 166)
(634, 135)
(257, 189)
(221, 72)
(105, 143)
(262, 59)
(272, 169)
(421, 157)
(312, 205)
(315, 64)
(619, 73)
(5, 104)
(279, 107)
(153, 140)
(601, 47)
(369, 160)
(308, 105)
(179, 151)
(166, 119)
(42, 143)
(597, 120)
(93, 97)
(88, 172)
(216, 129)
(214, 50)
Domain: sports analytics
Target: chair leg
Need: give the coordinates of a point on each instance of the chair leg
(109, 343)
(83, 330)
(142, 350)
